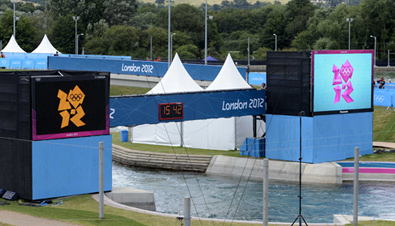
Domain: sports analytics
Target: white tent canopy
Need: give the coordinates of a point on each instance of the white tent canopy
(175, 80)
(222, 133)
(13, 47)
(45, 47)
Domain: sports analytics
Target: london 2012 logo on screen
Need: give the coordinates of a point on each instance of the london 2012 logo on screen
(70, 105)
(344, 74)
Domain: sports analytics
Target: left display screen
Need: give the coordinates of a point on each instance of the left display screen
(64, 108)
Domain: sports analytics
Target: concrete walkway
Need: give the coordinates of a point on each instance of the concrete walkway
(19, 219)
(387, 145)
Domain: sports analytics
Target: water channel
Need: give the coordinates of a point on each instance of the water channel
(229, 198)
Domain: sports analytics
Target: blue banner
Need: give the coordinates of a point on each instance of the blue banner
(133, 67)
(4, 62)
(255, 78)
(137, 110)
(15, 63)
(382, 98)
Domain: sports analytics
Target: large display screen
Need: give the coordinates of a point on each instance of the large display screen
(342, 81)
(70, 107)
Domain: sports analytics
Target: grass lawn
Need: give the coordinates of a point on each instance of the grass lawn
(84, 210)
(383, 124)
(116, 139)
(127, 90)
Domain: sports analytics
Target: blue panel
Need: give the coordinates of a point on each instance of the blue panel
(15, 63)
(133, 67)
(255, 78)
(254, 147)
(336, 136)
(4, 62)
(70, 166)
(127, 111)
(283, 138)
(40, 63)
(383, 98)
(28, 63)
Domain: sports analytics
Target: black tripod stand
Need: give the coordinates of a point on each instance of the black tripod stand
(300, 217)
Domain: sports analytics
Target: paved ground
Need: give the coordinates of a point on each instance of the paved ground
(19, 219)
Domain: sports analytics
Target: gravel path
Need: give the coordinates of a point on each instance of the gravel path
(19, 219)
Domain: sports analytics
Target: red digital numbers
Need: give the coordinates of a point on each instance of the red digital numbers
(171, 111)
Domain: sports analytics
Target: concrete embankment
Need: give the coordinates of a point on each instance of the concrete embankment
(196, 163)
(252, 168)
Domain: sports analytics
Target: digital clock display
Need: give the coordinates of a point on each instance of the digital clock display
(171, 111)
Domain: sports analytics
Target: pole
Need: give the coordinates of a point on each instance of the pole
(187, 211)
(151, 48)
(76, 38)
(248, 51)
(356, 185)
(101, 180)
(375, 58)
(388, 58)
(265, 216)
(205, 36)
(300, 217)
(168, 42)
(349, 35)
(13, 1)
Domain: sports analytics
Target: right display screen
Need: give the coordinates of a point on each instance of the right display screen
(342, 81)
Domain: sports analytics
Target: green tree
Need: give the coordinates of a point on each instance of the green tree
(121, 39)
(89, 11)
(24, 29)
(378, 18)
(189, 51)
(275, 25)
(118, 12)
(296, 14)
(63, 34)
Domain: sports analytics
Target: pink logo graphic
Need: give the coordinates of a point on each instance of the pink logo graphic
(346, 73)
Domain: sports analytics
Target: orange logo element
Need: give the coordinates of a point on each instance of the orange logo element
(70, 105)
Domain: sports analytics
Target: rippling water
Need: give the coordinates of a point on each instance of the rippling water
(226, 198)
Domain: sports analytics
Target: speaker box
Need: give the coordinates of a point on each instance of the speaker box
(10, 195)
(1, 192)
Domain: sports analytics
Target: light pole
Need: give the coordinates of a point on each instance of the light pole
(171, 46)
(375, 38)
(168, 41)
(205, 36)
(13, 2)
(76, 35)
(275, 42)
(349, 31)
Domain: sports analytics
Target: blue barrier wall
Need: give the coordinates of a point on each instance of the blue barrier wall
(133, 67)
(255, 78)
(324, 138)
(66, 167)
(383, 97)
(137, 110)
(25, 61)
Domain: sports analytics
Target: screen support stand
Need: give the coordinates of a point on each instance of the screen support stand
(300, 217)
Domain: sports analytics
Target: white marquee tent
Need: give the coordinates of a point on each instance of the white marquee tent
(13, 47)
(176, 80)
(223, 133)
(45, 47)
